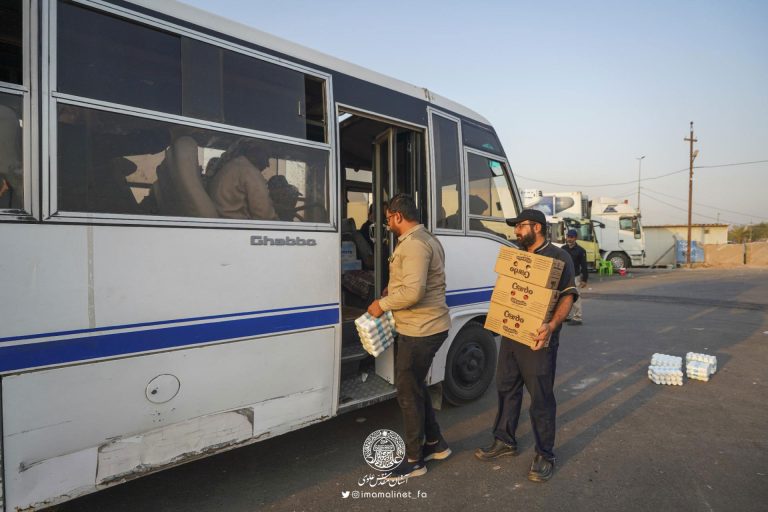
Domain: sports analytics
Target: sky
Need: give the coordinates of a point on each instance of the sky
(577, 91)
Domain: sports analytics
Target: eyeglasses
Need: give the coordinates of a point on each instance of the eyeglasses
(520, 224)
(390, 216)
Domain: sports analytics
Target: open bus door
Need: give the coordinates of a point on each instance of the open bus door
(380, 159)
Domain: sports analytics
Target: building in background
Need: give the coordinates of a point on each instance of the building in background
(660, 240)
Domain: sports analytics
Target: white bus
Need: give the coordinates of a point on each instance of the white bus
(181, 199)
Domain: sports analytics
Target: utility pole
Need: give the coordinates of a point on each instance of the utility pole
(692, 156)
(639, 167)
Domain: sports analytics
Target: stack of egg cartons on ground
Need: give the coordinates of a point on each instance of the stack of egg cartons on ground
(700, 366)
(666, 369)
(376, 334)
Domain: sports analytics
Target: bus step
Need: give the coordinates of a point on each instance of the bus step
(353, 353)
(351, 357)
(355, 392)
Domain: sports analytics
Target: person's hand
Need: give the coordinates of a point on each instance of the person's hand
(375, 309)
(583, 284)
(542, 336)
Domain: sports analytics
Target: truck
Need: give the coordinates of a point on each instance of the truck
(565, 212)
(616, 225)
(621, 240)
(587, 238)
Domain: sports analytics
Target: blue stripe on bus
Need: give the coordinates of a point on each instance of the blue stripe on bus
(96, 346)
(161, 322)
(33, 355)
(471, 289)
(469, 297)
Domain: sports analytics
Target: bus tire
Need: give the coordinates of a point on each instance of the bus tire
(619, 260)
(470, 365)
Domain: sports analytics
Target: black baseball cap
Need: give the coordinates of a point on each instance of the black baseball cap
(531, 215)
(572, 232)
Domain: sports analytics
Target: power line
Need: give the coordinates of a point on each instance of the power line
(729, 165)
(702, 204)
(643, 179)
(727, 221)
(601, 184)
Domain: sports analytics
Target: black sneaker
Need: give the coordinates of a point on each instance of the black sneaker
(574, 322)
(541, 469)
(408, 469)
(494, 451)
(437, 451)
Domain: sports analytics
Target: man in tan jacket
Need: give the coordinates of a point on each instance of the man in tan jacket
(416, 296)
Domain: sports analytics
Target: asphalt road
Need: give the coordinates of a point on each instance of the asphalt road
(623, 442)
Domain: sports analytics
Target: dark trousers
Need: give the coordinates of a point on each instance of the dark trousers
(518, 366)
(413, 357)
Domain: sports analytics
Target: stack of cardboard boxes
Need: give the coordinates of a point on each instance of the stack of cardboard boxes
(525, 294)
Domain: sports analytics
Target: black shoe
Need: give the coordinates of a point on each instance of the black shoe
(541, 469)
(497, 449)
(437, 451)
(575, 322)
(408, 469)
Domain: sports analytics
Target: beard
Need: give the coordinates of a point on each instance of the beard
(526, 241)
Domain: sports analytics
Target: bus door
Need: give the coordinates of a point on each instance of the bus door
(379, 159)
(383, 178)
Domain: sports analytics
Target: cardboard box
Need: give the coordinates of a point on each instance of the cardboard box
(520, 326)
(348, 251)
(347, 265)
(524, 296)
(529, 267)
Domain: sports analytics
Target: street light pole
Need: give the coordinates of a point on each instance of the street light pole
(691, 155)
(639, 167)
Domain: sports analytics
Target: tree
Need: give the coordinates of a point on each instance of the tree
(748, 233)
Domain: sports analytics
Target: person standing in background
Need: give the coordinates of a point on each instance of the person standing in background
(579, 256)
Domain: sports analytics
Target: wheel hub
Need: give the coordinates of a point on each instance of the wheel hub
(470, 364)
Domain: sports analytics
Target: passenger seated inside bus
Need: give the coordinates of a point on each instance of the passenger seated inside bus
(365, 229)
(478, 206)
(179, 189)
(92, 152)
(285, 197)
(11, 168)
(238, 188)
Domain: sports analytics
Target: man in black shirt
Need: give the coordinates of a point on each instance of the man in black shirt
(579, 257)
(532, 367)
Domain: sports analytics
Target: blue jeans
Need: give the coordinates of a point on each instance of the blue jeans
(413, 357)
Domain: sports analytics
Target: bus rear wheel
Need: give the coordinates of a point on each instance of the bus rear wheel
(470, 366)
(619, 260)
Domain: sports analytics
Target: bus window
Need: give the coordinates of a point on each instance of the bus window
(11, 160)
(480, 138)
(490, 197)
(11, 47)
(11, 106)
(447, 173)
(114, 60)
(120, 164)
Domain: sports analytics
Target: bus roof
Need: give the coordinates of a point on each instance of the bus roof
(248, 34)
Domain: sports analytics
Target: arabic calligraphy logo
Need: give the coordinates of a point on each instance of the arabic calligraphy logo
(384, 450)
